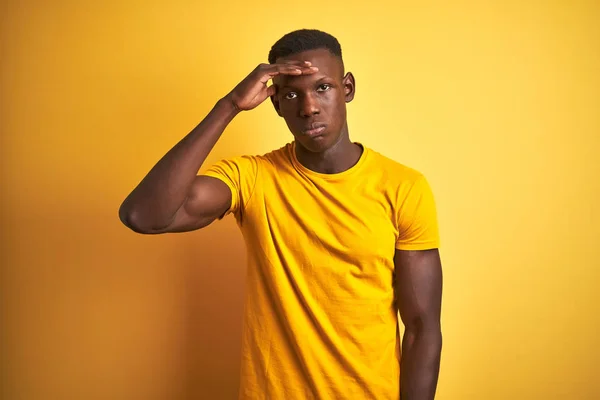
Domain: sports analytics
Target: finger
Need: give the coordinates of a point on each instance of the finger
(294, 62)
(287, 66)
(294, 70)
(297, 63)
(272, 73)
(271, 90)
(310, 70)
(302, 71)
(287, 70)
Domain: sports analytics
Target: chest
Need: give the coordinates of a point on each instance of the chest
(351, 220)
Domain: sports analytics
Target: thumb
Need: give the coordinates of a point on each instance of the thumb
(271, 90)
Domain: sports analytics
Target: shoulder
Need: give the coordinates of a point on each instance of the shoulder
(277, 157)
(402, 184)
(392, 170)
(252, 162)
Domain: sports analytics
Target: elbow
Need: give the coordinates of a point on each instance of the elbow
(428, 338)
(430, 329)
(130, 217)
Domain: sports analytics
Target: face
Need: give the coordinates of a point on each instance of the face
(314, 105)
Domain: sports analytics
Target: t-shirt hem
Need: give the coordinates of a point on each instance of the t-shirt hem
(418, 246)
(229, 185)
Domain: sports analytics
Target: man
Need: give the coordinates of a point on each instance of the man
(339, 237)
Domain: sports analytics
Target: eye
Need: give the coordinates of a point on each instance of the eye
(324, 87)
(290, 95)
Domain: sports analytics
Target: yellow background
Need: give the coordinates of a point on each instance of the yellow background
(498, 103)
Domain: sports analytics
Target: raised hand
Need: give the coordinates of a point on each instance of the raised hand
(254, 89)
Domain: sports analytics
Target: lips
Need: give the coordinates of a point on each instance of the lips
(314, 129)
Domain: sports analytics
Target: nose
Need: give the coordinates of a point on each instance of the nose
(309, 106)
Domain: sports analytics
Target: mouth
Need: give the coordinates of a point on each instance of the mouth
(313, 130)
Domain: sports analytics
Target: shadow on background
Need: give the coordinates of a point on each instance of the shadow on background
(214, 272)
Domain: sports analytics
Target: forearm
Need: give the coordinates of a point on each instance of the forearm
(420, 363)
(164, 189)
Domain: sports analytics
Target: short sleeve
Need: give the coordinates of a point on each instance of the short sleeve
(417, 218)
(240, 175)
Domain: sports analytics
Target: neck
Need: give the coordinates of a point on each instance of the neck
(338, 158)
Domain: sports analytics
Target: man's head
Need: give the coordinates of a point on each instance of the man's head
(314, 105)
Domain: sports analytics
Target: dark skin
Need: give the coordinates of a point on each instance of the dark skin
(418, 289)
(320, 99)
(310, 91)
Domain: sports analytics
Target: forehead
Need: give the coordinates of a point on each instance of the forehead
(329, 65)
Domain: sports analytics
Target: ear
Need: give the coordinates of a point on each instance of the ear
(275, 101)
(349, 87)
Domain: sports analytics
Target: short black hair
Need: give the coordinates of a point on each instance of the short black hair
(303, 40)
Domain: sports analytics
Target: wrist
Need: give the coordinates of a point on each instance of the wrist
(228, 107)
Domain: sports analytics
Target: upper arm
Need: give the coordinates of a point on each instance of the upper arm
(225, 187)
(417, 216)
(208, 199)
(418, 285)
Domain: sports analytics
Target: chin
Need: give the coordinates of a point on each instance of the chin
(317, 145)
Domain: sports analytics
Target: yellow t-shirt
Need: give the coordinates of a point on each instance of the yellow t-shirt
(320, 320)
